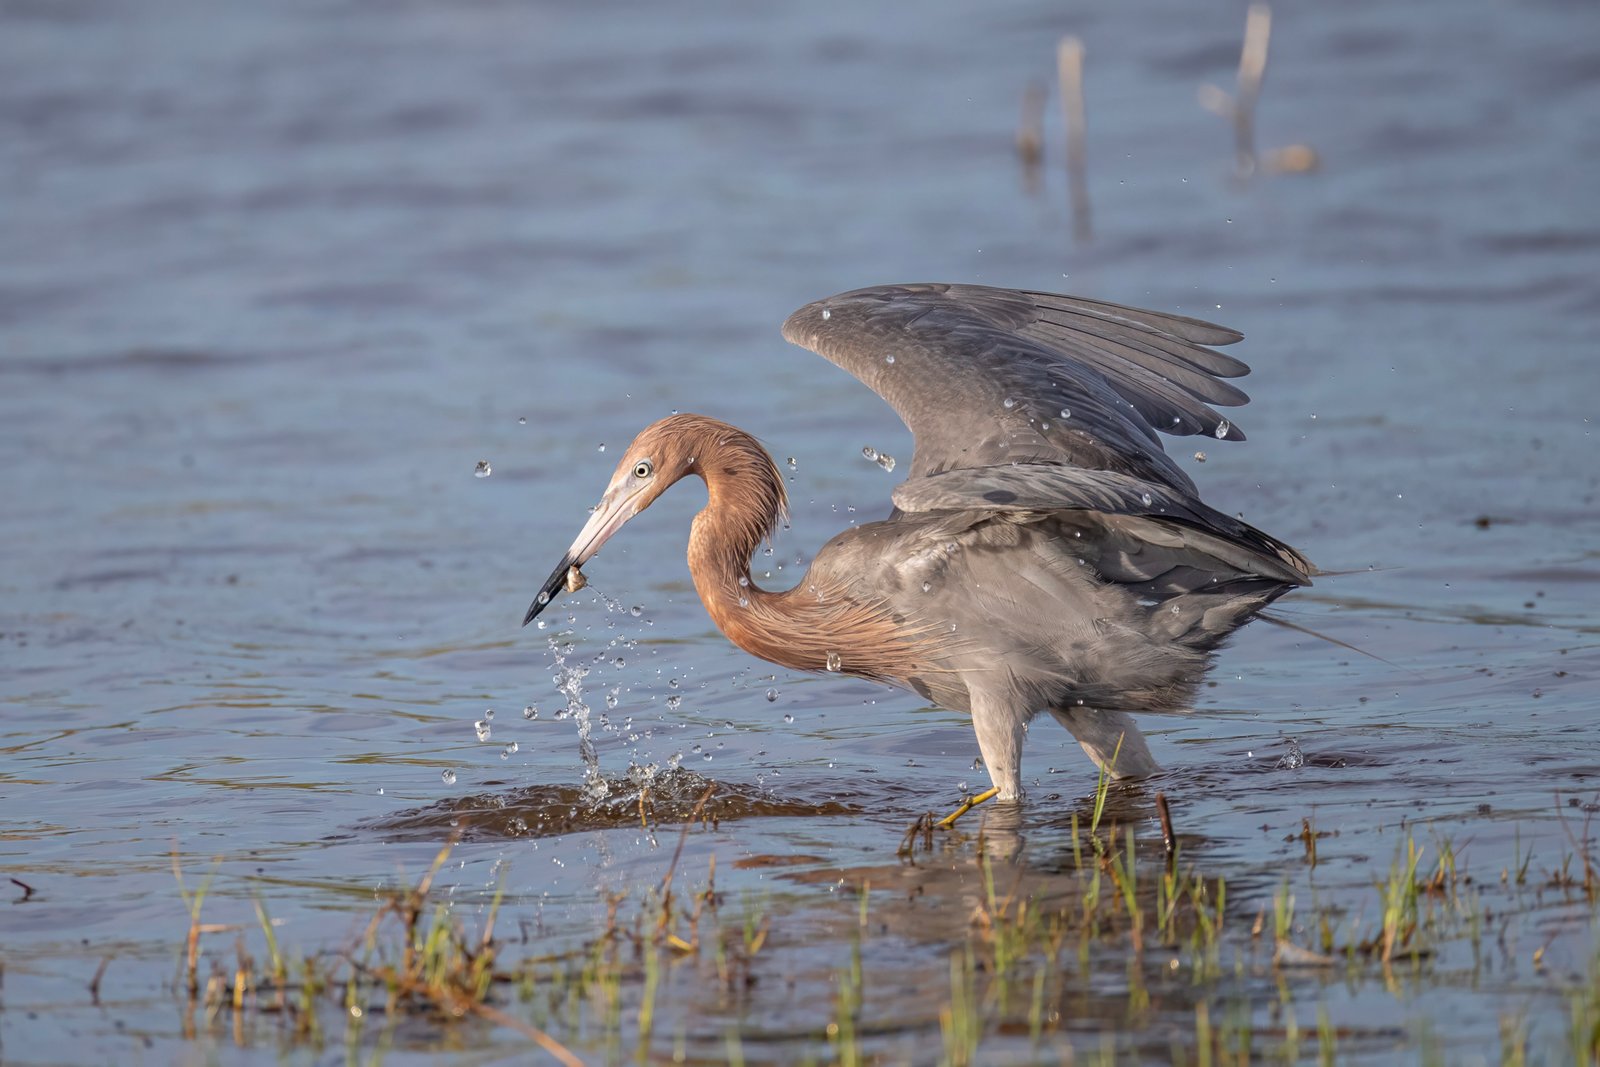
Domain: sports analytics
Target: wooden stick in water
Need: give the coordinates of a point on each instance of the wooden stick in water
(1069, 69)
(1252, 71)
(1030, 135)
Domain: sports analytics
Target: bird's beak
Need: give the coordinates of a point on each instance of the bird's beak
(614, 509)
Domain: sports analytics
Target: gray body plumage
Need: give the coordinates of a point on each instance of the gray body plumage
(1045, 549)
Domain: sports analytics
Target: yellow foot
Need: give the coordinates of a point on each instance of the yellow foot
(967, 805)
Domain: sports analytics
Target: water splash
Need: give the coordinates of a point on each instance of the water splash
(569, 682)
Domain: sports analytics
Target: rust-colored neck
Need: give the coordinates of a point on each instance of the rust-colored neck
(806, 628)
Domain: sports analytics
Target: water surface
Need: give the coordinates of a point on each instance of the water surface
(278, 278)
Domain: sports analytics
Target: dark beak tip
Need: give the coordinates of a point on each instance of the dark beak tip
(553, 585)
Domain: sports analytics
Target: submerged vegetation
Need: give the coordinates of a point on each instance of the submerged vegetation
(1116, 946)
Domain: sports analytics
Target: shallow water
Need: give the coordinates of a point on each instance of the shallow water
(278, 279)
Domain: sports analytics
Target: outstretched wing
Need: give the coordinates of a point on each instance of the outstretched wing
(1026, 487)
(985, 376)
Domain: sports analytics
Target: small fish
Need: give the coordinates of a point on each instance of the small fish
(575, 579)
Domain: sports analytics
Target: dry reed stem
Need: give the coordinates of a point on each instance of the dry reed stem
(1069, 69)
(528, 1030)
(666, 879)
(1252, 71)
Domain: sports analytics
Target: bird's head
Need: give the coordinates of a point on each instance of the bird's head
(663, 452)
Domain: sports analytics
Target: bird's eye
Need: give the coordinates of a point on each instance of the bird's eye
(643, 469)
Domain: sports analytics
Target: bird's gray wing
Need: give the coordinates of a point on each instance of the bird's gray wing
(1054, 488)
(983, 376)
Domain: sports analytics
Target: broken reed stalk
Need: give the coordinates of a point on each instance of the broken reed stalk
(527, 1030)
(1252, 71)
(666, 879)
(1167, 839)
(1069, 69)
(1030, 135)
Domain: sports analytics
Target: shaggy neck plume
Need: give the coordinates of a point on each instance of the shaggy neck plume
(806, 628)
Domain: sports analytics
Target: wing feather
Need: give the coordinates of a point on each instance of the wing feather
(985, 376)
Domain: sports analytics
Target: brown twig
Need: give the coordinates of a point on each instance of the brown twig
(27, 890)
(94, 983)
(666, 879)
(528, 1030)
(1030, 135)
(1167, 837)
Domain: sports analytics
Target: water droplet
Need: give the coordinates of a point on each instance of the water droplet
(1010, 402)
(619, 662)
(707, 756)
(793, 463)
(886, 461)
(636, 610)
(672, 683)
(673, 701)
(602, 447)
(744, 581)
(952, 547)
(522, 421)
(530, 712)
(488, 713)
(1222, 429)
(542, 623)
(744, 602)
(1199, 457)
(1145, 499)
(889, 358)
(612, 700)
(772, 694)
(483, 729)
(962, 786)
(826, 314)
(926, 586)
(544, 598)
(870, 454)
(1066, 413)
(448, 776)
(482, 470)
(787, 717)
(834, 662)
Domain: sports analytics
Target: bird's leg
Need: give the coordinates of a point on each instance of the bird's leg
(1000, 731)
(1101, 732)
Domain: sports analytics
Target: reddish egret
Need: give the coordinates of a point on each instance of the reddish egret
(1045, 553)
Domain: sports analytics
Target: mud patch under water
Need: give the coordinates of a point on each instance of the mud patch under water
(553, 810)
